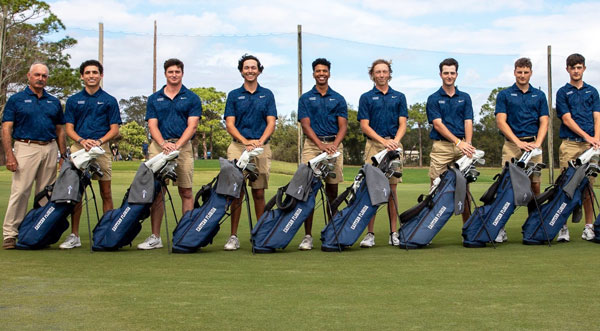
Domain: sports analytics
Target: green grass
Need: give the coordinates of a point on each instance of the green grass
(444, 286)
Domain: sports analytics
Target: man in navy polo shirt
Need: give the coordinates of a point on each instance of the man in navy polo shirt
(172, 113)
(451, 114)
(323, 114)
(93, 119)
(522, 117)
(382, 113)
(35, 120)
(578, 107)
(250, 115)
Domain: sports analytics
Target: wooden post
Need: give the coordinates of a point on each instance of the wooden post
(101, 46)
(299, 90)
(154, 62)
(550, 120)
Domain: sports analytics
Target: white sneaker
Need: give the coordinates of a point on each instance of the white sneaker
(588, 233)
(73, 241)
(306, 244)
(501, 237)
(368, 241)
(232, 244)
(563, 234)
(151, 242)
(394, 238)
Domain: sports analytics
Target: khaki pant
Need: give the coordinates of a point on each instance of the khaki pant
(443, 153)
(310, 150)
(104, 161)
(570, 150)
(373, 147)
(511, 150)
(185, 163)
(263, 163)
(35, 163)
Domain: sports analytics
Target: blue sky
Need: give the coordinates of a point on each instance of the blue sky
(209, 36)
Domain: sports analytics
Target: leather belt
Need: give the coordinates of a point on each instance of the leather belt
(37, 142)
(327, 139)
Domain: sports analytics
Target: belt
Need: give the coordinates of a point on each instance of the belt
(37, 142)
(327, 139)
(239, 142)
(577, 140)
(446, 140)
(528, 139)
(386, 137)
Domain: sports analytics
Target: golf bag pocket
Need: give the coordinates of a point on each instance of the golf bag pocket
(44, 226)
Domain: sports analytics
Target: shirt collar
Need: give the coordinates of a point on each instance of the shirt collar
(515, 88)
(29, 91)
(258, 89)
(376, 90)
(444, 94)
(583, 87)
(182, 90)
(315, 91)
(95, 95)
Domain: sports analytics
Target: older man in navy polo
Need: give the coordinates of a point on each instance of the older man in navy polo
(323, 114)
(250, 115)
(35, 120)
(451, 113)
(172, 113)
(578, 107)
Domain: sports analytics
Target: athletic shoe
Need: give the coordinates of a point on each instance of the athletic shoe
(563, 234)
(368, 241)
(306, 244)
(577, 215)
(9, 243)
(151, 242)
(72, 241)
(501, 237)
(232, 244)
(394, 237)
(588, 233)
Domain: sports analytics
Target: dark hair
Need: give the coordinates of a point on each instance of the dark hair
(574, 59)
(321, 61)
(87, 63)
(449, 62)
(247, 57)
(380, 61)
(173, 62)
(523, 62)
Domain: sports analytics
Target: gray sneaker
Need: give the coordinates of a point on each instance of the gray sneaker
(72, 241)
(563, 234)
(233, 243)
(306, 244)
(368, 241)
(501, 237)
(588, 233)
(151, 242)
(394, 239)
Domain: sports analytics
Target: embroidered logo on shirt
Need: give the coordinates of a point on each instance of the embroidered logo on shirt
(261, 96)
(570, 92)
(160, 99)
(48, 101)
(312, 98)
(27, 101)
(441, 101)
(588, 91)
(375, 98)
(461, 100)
(81, 102)
(514, 94)
(100, 102)
(242, 97)
(394, 96)
(534, 95)
(331, 99)
(183, 98)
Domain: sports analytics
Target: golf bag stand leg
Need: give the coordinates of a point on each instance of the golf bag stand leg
(87, 212)
(537, 206)
(248, 211)
(483, 220)
(166, 190)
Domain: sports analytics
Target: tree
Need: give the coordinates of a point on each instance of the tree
(486, 135)
(354, 142)
(132, 137)
(211, 123)
(284, 141)
(417, 116)
(134, 109)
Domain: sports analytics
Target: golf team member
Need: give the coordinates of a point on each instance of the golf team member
(578, 107)
(451, 113)
(382, 113)
(35, 120)
(93, 119)
(323, 114)
(250, 115)
(522, 117)
(172, 113)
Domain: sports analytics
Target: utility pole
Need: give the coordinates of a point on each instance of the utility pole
(101, 46)
(550, 120)
(154, 62)
(299, 90)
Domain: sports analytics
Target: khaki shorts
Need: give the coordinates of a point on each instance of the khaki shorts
(185, 163)
(263, 163)
(104, 161)
(510, 150)
(373, 147)
(443, 153)
(570, 150)
(311, 150)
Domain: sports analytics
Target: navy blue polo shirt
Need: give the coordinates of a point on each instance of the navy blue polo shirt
(323, 111)
(581, 103)
(382, 110)
(523, 110)
(172, 115)
(250, 110)
(452, 110)
(33, 118)
(92, 115)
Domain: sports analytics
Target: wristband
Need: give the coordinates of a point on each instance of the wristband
(101, 142)
(163, 143)
(458, 142)
(79, 140)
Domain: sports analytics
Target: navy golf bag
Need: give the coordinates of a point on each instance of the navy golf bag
(597, 230)
(511, 188)
(419, 224)
(118, 227)
(551, 209)
(199, 226)
(44, 225)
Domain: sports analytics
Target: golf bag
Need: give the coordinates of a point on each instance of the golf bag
(420, 224)
(369, 190)
(44, 225)
(199, 226)
(555, 206)
(511, 188)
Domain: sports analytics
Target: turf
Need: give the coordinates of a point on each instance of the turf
(444, 286)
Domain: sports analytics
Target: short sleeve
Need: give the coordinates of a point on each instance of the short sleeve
(561, 103)
(9, 111)
(433, 109)
(196, 109)
(501, 103)
(115, 113)
(342, 108)
(363, 108)
(150, 109)
(468, 108)
(302, 111)
(229, 105)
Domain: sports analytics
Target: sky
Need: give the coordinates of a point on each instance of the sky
(486, 37)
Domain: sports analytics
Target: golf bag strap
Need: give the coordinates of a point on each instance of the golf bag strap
(286, 203)
(45, 193)
(271, 203)
(203, 192)
(488, 197)
(342, 197)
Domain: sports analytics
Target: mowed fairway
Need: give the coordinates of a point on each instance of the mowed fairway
(444, 286)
